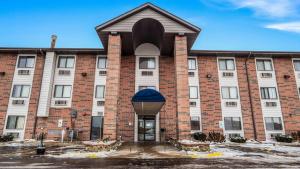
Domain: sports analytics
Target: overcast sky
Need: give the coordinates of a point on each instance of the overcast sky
(226, 24)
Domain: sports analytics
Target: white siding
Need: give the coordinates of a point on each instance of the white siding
(269, 111)
(21, 110)
(230, 111)
(127, 24)
(47, 84)
(194, 81)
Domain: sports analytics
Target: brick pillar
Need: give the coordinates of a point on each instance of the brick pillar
(182, 89)
(112, 86)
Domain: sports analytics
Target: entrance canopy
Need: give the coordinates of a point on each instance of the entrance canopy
(148, 102)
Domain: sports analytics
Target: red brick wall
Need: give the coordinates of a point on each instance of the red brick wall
(112, 86)
(182, 92)
(127, 90)
(8, 63)
(209, 94)
(167, 88)
(288, 94)
(35, 94)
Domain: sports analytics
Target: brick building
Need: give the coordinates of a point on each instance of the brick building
(254, 94)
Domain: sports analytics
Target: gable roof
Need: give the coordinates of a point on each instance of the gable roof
(144, 7)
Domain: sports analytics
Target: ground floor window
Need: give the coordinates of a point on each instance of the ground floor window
(273, 123)
(195, 123)
(15, 122)
(97, 127)
(232, 123)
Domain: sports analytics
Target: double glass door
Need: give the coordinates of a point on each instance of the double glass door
(146, 130)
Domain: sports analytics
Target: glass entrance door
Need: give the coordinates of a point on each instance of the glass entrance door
(146, 130)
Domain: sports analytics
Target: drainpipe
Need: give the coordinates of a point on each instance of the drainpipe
(250, 96)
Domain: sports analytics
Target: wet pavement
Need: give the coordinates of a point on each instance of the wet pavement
(141, 156)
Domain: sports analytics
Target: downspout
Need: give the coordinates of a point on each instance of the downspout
(38, 100)
(250, 96)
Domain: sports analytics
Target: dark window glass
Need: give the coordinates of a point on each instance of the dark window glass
(62, 91)
(195, 123)
(273, 123)
(21, 91)
(268, 93)
(15, 122)
(26, 62)
(97, 127)
(229, 93)
(147, 63)
(264, 65)
(192, 64)
(102, 62)
(66, 62)
(232, 123)
(226, 64)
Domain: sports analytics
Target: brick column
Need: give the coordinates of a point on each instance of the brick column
(182, 89)
(112, 86)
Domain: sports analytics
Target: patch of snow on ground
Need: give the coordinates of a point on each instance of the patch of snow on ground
(74, 154)
(275, 147)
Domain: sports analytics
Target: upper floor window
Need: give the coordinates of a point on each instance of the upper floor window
(192, 63)
(100, 91)
(21, 91)
(195, 123)
(226, 64)
(15, 122)
(229, 93)
(147, 63)
(26, 62)
(193, 92)
(264, 65)
(232, 123)
(102, 62)
(147, 87)
(268, 93)
(62, 91)
(297, 65)
(273, 123)
(66, 62)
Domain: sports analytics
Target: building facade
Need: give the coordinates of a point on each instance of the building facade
(254, 94)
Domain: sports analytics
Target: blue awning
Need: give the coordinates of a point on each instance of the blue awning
(148, 102)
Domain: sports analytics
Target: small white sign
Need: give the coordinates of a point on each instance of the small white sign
(60, 123)
(221, 124)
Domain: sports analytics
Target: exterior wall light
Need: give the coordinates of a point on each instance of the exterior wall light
(286, 76)
(209, 76)
(2, 73)
(84, 74)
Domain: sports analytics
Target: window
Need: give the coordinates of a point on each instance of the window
(102, 62)
(226, 64)
(26, 62)
(193, 92)
(97, 127)
(195, 123)
(233, 123)
(147, 87)
(15, 122)
(21, 91)
(62, 91)
(147, 63)
(297, 65)
(66, 62)
(100, 91)
(268, 93)
(192, 63)
(264, 65)
(229, 93)
(273, 123)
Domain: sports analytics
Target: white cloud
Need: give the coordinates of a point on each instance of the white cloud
(289, 26)
(269, 8)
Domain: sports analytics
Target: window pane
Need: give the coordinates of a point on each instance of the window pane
(22, 62)
(225, 92)
(25, 91)
(70, 62)
(30, 62)
(195, 123)
(297, 65)
(151, 63)
(268, 65)
(228, 123)
(62, 62)
(58, 91)
(97, 127)
(269, 123)
(277, 123)
(222, 64)
(147, 63)
(233, 93)
(100, 91)
(230, 64)
(236, 123)
(192, 64)
(20, 122)
(143, 63)
(102, 62)
(193, 92)
(16, 91)
(260, 65)
(67, 92)
(272, 93)
(11, 122)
